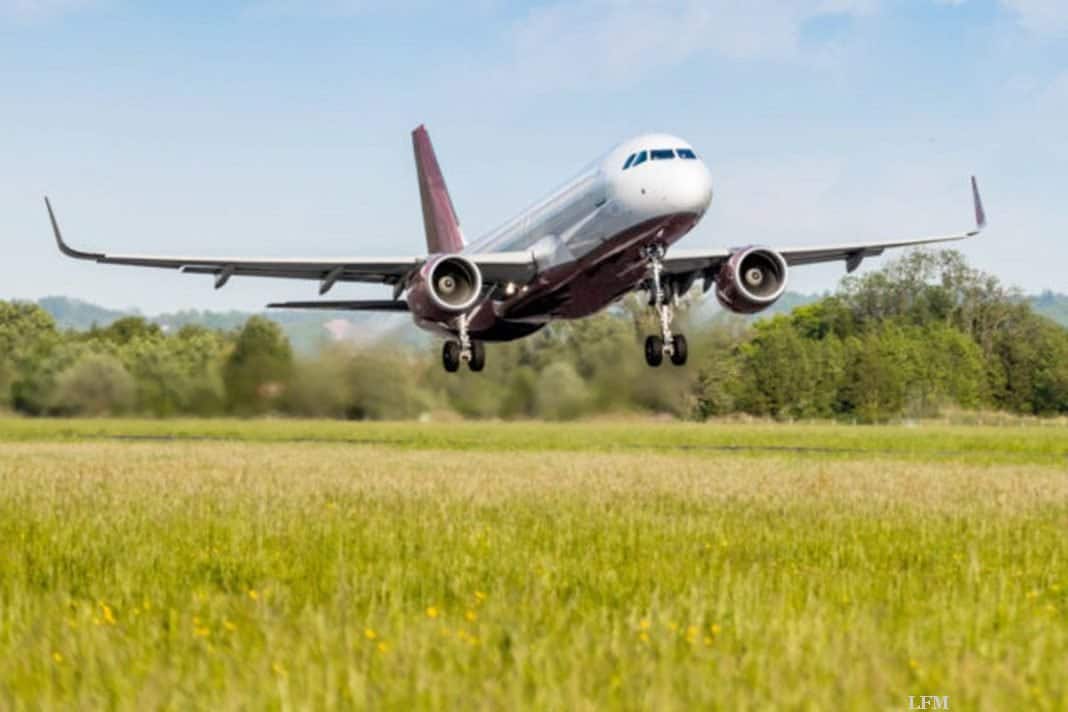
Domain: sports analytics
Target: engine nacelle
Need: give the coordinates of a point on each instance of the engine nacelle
(445, 286)
(751, 280)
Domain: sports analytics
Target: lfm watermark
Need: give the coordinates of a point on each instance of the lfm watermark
(928, 702)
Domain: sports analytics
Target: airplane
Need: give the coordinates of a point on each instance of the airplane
(606, 233)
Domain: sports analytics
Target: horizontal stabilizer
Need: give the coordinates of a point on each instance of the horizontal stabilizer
(379, 305)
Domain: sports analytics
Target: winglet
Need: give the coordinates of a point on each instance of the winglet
(980, 213)
(63, 246)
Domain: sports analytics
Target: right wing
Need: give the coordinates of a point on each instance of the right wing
(687, 265)
(497, 267)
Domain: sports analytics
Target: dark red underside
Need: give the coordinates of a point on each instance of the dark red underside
(583, 287)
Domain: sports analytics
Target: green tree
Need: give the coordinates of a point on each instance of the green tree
(27, 334)
(125, 330)
(258, 367)
(96, 384)
(561, 393)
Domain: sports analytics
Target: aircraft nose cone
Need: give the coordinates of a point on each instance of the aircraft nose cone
(690, 190)
(697, 192)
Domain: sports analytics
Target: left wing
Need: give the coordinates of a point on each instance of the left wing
(497, 267)
(687, 263)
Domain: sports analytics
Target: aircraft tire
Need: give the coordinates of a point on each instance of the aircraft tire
(478, 356)
(654, 351)
(680, 350)
(450, 356)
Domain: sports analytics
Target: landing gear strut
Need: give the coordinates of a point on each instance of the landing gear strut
(674, 345)
(454, 353)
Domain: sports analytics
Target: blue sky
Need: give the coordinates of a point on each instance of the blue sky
(278, 127)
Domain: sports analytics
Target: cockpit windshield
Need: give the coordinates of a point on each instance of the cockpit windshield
(658, 154)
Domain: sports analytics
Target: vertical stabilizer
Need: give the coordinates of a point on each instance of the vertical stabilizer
(439, 216)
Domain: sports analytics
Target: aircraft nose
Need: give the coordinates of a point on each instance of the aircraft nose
(696, 192)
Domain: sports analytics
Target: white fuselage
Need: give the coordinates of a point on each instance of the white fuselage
(605, 200)
(588, 237)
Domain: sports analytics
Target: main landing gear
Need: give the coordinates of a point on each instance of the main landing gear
(674, 345)
(454, 353)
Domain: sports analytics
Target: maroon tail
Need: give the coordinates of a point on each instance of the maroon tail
(439, 216)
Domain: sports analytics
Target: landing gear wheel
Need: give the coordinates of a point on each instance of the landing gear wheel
(478, 356)
(654, 351)
(679, 350)
(450, 356)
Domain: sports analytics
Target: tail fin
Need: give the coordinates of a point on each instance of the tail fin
(439, 216)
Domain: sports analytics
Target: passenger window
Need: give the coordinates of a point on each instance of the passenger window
(639, 159)
(663, 154)
(687, 154)
(629, 161)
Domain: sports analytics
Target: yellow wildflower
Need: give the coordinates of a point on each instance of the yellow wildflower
(278, 668)
(480, 596)
(471, 616)
(383, 647)
(229, 625)
(432, 612)
(58, 657)
(644, 624)
(253, 594)
(369, 634)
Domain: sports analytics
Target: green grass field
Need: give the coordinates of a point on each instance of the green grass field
(626, 565)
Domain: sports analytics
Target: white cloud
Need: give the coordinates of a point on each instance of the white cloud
(1042, 17)
(572, 43)
(38, 9)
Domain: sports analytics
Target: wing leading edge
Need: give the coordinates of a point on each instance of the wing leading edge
(497, 268)
(688, 261)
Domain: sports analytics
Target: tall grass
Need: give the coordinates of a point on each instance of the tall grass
(304, 575)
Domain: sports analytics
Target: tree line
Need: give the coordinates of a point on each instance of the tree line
(923, 334)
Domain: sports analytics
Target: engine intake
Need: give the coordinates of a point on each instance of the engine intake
(455, 283)
(445, 286)
(751, 280)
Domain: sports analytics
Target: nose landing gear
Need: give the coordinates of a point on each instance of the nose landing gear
(454, 353)
(674, 345)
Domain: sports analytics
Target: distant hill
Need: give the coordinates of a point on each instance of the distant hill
(78, 315)
(307, 330)
(1052, 305)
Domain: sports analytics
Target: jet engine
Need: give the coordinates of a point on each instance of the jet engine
(446, 286)
(751, 280)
